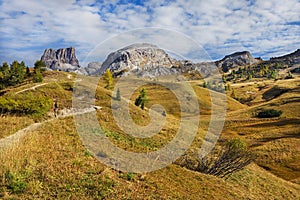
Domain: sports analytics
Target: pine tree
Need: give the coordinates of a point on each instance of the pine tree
(5, 68)
(5, 75)
(118, 95)
(40, 65)
(37, 76)
(17, 73)
(138, 101)
(108, 79)
(39, 68)
(273, 74)
(142, 99)
(28, 74)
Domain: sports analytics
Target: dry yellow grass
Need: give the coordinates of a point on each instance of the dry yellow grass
(53, 163)
(276, 141)
(11, 124)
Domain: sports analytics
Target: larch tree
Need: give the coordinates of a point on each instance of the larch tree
(108, 79)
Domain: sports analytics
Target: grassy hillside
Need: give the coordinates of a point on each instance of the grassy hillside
(275, 140)
(52, 163)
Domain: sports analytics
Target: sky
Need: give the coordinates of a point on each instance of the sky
(266, 28)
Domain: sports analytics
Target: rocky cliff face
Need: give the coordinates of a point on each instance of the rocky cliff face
(62, 59)
(137, 58)
(235, 60)
(148, 60)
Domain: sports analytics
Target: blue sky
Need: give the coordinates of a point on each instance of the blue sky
(265, 28)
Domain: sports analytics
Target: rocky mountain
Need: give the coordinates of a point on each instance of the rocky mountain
(292, 58)
(62, 59)
(151, 61)
(235, 60)
(137, 58)
(147, 60)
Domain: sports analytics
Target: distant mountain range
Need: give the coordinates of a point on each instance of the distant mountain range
(148, 60)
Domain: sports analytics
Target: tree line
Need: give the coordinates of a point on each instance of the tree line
(261, 70)
(16, 73)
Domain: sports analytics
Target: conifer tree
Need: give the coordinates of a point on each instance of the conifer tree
(118, 95)
(39, 67)
(108, 79)
(142, 99)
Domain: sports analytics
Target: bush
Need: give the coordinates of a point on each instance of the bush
(35, 105)
(232, 157)
(129, 176)
(269, 113)
(37, 77)
(67, 86)
(15, 182)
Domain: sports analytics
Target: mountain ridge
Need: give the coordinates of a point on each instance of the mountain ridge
(148, 60)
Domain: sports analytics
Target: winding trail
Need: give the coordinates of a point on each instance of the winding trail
(15, 138)
(31, 88)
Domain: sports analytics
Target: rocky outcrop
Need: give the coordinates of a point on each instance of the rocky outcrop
(156, 71)
(204, 68)
(236, 60)
(62, 59)
(137, 57)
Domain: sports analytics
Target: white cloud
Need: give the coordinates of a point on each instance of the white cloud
(222, 27)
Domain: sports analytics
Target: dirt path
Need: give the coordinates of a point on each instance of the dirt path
(32, 88)
(15, 138)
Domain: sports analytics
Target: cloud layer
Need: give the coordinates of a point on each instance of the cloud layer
(266, 28)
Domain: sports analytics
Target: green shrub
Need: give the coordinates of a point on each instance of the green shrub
(15, 182)
(37, 77)
(36, 105)
(269, 113)
(67, 86)
(129, 176)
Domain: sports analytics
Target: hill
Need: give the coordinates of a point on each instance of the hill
(49, 161)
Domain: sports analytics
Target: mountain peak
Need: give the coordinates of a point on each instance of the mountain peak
(63, 59)
(236, 59)
(136, 57)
